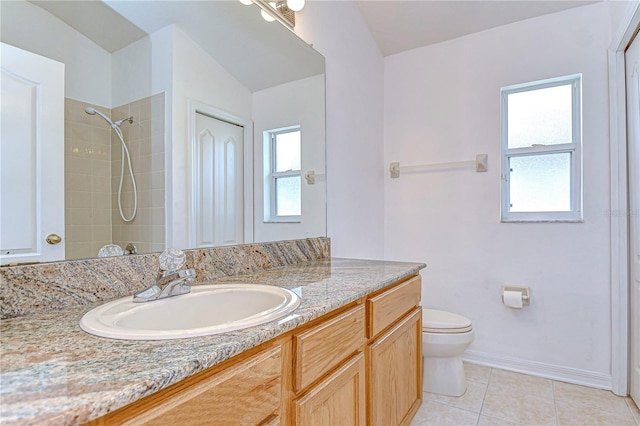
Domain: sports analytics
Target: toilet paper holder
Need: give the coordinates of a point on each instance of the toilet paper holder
(526, 296)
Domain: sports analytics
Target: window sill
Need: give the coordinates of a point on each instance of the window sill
(542, 221)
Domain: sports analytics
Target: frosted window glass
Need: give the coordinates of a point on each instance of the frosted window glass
(287, 151)
(540, 183)
(540, 116)
(288, 201)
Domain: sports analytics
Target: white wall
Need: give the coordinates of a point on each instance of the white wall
(354, 93)
(198, 77)
(621, 13)
(442, 103)
(297, 103)
(144, 68)
(131, 71)
(87, 65)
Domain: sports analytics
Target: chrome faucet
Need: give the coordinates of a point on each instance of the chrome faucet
(131, 249)
(171, 279)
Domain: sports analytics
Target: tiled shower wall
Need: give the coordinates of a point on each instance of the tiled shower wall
(92, 176)
(145, 140)
(87, 180)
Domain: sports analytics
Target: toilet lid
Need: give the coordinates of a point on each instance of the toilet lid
(435, 321)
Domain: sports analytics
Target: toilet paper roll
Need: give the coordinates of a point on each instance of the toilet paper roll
(512, 299)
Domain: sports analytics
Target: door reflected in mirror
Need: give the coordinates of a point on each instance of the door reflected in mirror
(165, 78)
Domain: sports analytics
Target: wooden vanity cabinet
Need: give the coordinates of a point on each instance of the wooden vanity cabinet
(359, 365)
(381, 382)
(394, 354)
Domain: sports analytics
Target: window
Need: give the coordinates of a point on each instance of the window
(541, 155)
(283, 200)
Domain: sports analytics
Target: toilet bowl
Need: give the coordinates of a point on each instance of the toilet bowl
(445, 336)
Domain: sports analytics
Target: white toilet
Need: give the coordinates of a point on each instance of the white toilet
(445, 336)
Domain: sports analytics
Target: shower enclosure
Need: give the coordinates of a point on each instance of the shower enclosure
(97, 180)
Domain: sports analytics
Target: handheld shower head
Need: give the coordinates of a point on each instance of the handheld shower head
(93, 111)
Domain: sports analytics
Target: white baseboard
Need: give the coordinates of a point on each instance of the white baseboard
(534, 368)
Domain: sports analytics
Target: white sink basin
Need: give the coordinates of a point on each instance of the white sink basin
(208, 309)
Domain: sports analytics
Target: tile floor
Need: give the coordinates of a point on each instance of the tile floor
(499, 397)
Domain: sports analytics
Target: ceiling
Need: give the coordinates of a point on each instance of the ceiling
(396, 25)
(399, 25)
(235, 35)
(96, 20)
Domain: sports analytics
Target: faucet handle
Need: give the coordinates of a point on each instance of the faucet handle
(171, 260)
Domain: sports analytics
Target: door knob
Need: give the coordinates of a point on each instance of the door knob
(53, 239)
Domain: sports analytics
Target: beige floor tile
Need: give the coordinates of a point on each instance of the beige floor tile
(590, 397)
(470, 401)
(634, 409)
(508, 399)
(492, 421)
(477, 373)
(570, 414)
(515, 405)
(521, 383)
(436, 414)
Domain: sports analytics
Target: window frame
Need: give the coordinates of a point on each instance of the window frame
(575, 214)
(271, 215)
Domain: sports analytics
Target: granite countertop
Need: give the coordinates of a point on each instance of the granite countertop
(53, 372)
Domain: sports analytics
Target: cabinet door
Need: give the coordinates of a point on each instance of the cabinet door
(395, 372)
(337, 400)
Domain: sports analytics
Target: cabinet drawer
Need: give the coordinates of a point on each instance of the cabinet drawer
(385, 308)
(323, 347)
(247, 393)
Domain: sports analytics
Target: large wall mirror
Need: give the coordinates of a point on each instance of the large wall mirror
(148, 124)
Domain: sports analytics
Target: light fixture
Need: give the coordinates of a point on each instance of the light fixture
(280, 10)
(246, 2)
(267, 17)
(295, 5)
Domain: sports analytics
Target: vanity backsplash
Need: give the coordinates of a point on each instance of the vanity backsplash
(31, 289)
